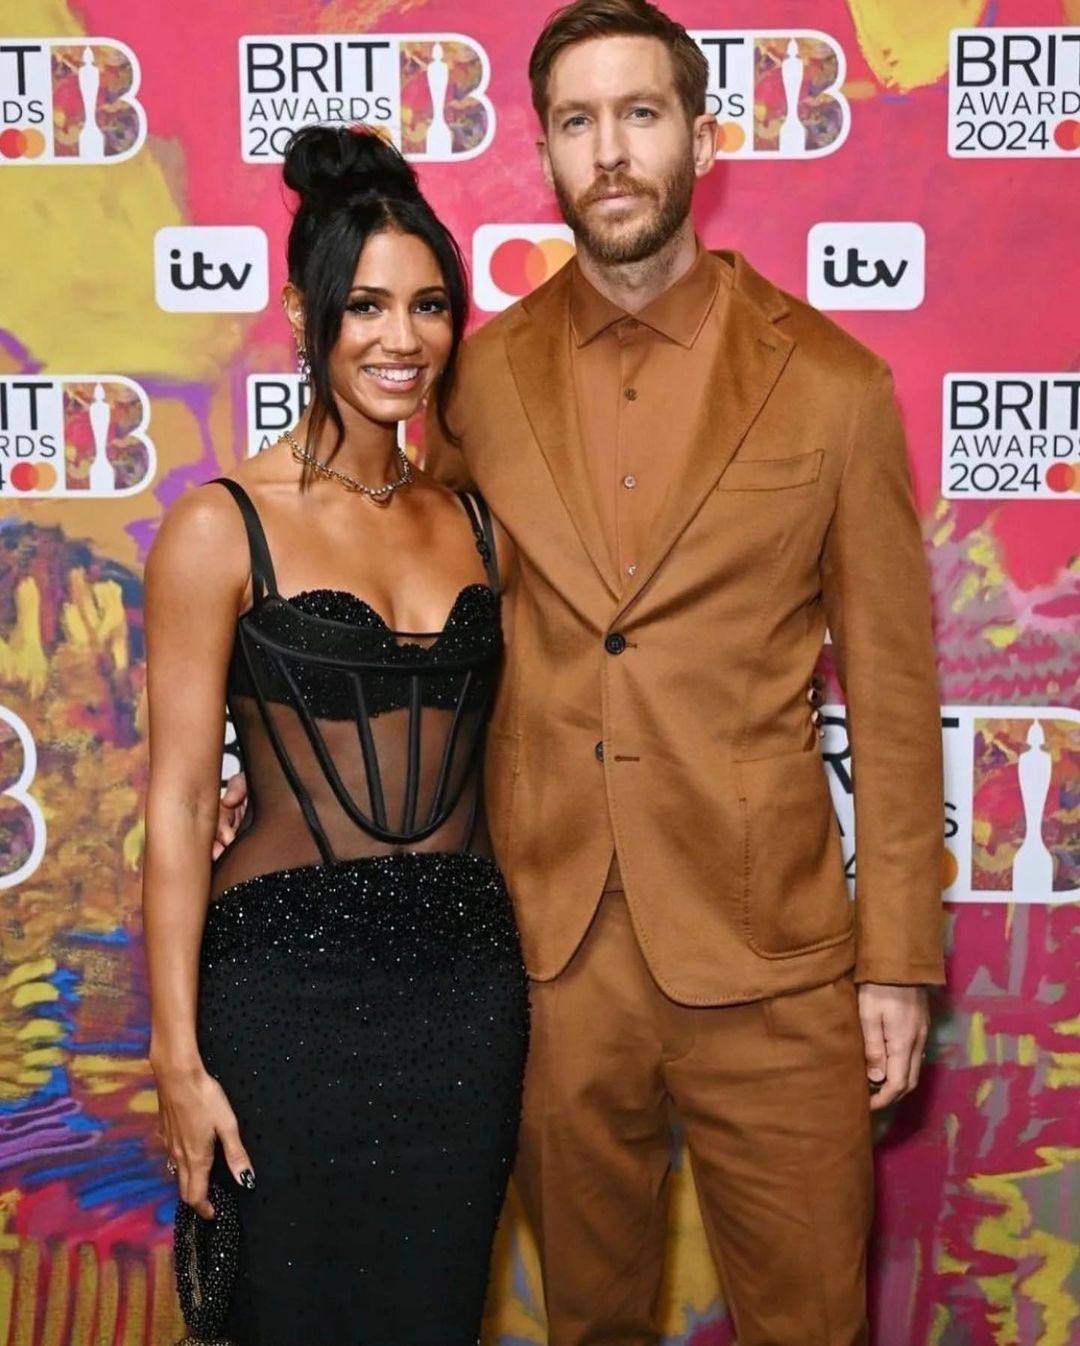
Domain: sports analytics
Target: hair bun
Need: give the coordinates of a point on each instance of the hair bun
(327, 166)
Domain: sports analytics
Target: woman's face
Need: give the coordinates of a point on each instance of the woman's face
(396, 331)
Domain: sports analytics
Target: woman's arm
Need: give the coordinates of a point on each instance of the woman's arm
(196, 575)
(506, 554)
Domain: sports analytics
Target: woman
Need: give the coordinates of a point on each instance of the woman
(338, 1004)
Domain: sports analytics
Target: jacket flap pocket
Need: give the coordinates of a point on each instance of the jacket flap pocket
(771, 474)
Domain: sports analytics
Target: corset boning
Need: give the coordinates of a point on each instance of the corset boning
(356, 739)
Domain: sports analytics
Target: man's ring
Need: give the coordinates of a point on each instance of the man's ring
(170, 1167)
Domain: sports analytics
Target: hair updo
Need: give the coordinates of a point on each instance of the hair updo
(353, 183)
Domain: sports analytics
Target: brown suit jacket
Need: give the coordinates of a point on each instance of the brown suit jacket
(796, 513)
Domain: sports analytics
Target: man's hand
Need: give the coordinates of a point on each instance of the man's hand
(230, 811)
(895, 1023)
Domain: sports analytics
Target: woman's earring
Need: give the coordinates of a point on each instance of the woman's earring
(303, 364)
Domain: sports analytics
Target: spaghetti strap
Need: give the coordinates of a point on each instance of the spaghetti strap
(484, 531)
(263, 580)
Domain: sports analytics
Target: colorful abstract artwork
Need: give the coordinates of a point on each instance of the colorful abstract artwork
(120, 120)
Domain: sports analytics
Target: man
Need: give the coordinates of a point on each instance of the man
(700, 474)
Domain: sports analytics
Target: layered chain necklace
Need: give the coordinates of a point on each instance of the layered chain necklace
(378, 495)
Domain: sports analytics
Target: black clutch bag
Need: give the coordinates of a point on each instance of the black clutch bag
(206, 1254)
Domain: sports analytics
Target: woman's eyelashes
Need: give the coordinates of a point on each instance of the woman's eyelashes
(369, 308)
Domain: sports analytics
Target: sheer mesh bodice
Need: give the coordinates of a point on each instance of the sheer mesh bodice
(357, 740)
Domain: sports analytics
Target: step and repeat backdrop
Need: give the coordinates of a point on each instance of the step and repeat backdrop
(913, 169)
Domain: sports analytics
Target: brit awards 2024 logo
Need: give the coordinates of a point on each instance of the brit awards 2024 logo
(425, 91)
(1012, 783)
(511, 260)
(21, 819)
(1014, 93)
(866, 265)
(1011, 437)
(65, 102)
(79, 436)
(274, 403)
(776, 93)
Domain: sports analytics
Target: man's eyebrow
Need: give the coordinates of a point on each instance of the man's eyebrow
(577, 104)
(644, 96)
(586, 105)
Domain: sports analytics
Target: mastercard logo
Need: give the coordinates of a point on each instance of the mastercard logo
(22, 143)
(519, 266)
(1067, 134)
(510, 260)
(37, 477)
(731, 138)
(1063, 478)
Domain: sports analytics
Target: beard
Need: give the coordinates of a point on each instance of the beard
(613, 242)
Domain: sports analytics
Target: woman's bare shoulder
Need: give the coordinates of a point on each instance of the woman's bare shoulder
(201, 535)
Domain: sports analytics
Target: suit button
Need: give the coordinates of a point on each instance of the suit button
(615, 643)
(599, 750)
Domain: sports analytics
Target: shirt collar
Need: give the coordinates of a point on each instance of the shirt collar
(678, 313)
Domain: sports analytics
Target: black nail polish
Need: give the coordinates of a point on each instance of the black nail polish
(247, 1179)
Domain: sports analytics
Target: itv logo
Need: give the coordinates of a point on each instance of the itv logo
(869, 264)
(211, 269)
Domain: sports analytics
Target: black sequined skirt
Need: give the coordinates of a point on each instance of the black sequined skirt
(369, 1023)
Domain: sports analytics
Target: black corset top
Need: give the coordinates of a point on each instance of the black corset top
(377, 734)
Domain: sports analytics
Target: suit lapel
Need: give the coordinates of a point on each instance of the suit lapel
(751, 355)
(539, 353)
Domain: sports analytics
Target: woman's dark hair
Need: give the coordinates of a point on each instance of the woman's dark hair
(353, 183)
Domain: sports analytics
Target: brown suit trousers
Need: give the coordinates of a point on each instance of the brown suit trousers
(667, 719)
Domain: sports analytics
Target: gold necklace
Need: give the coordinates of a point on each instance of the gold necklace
(378, 495)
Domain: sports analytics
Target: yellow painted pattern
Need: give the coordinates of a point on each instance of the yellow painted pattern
(1012, 1233)
(82, 1317)
(22, 658)
(907, 45)
(977, 1040)
(51, 1332)
(94, 619)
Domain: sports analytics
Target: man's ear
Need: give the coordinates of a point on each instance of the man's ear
(706, 135)
(545, 161)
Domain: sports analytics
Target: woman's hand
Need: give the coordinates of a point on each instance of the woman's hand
(195, 1113)
(815, 694)
(230, 812)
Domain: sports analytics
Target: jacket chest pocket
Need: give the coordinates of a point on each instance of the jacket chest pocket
(771, 474)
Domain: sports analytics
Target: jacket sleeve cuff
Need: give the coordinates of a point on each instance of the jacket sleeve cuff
(893, 973)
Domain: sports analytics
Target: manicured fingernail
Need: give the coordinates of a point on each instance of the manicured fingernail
(247, 1179)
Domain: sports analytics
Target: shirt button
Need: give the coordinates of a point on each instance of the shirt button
(630, 394)
(632, 568)
(629, 482)
(615, 643)
(599, 750)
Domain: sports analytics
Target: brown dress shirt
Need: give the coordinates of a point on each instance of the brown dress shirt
(638, 381)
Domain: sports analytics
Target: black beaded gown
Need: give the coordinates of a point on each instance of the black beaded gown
(362, 997)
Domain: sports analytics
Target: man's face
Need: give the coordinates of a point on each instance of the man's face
(619, 150)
